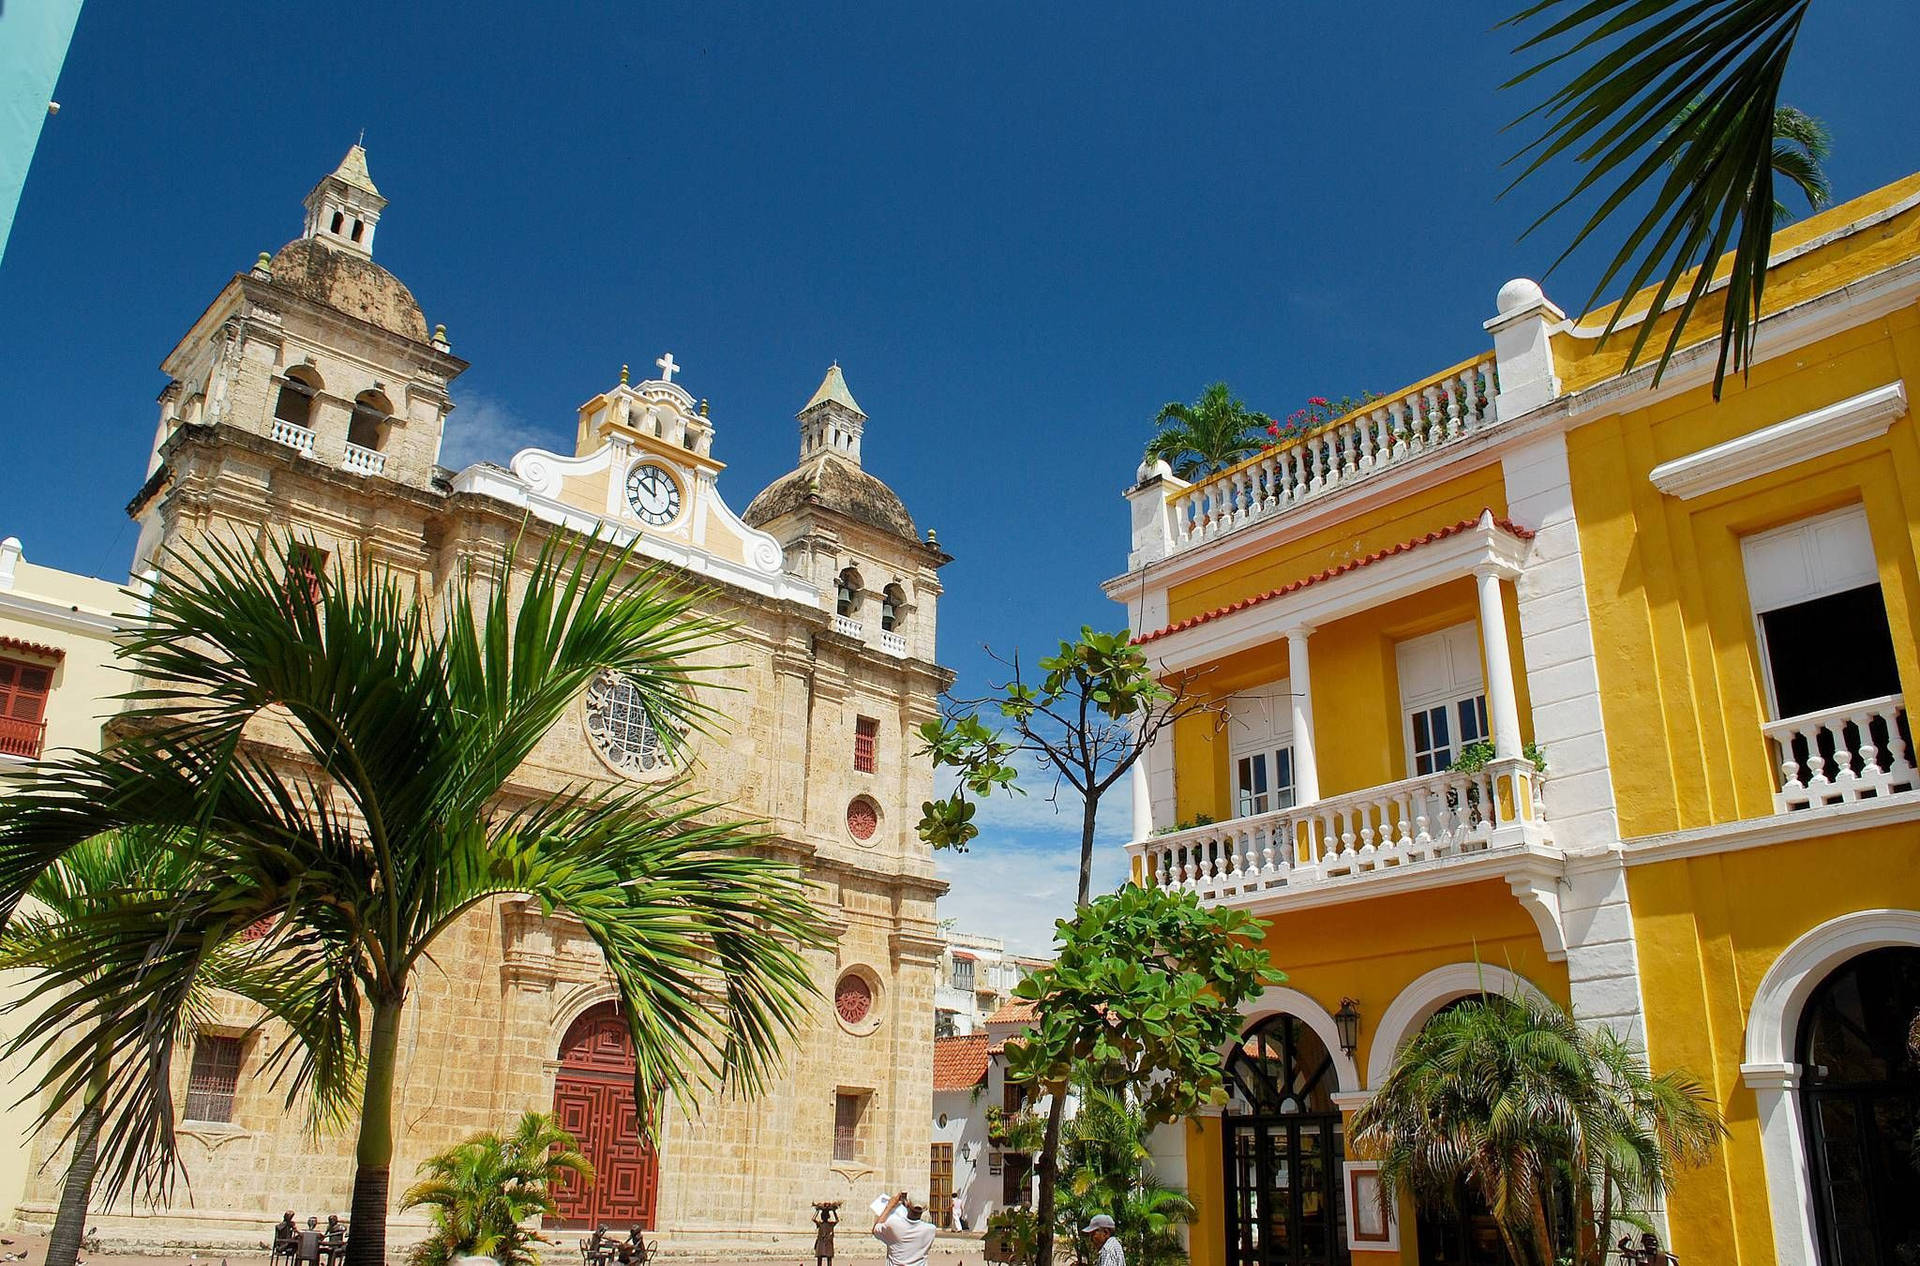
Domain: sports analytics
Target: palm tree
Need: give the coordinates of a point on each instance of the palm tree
(483, 1192)
(379, 810)
(1207, 436)
(1106, 1168)
(1801, 146)
(1539, 1116)
(115, 873)
(1705, 174)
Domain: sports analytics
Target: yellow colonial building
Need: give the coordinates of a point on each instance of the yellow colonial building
(1700, 618)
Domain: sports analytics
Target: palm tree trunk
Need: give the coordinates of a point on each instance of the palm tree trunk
(373, 1158)
(70, 1223)
(1049, 1178)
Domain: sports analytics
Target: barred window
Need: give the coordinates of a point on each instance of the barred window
(846, 1126)
(213, 1078)
(866, 731)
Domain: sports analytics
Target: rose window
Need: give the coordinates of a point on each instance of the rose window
(620, 730)
(853, 999)
(863, 819)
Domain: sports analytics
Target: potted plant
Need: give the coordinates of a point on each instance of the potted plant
(482, 1193)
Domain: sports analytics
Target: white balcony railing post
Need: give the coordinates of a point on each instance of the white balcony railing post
(1859, 751)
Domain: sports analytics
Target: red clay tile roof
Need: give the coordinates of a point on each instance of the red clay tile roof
(959, 1062)
(31, 648)
(1019, 1011)
(1352, 564)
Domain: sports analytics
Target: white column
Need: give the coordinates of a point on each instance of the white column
(1306, 770)
(1503, 706)
(1142, 800)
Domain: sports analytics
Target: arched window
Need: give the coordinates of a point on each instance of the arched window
(1281, 1067)
(358, 229)
(295, 402)
(339, 221)
(893, 605)
(371, 412)
(847, 593)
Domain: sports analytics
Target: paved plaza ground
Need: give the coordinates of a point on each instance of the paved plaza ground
(950, 1250)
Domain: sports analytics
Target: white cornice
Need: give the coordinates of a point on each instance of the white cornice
(1783, 444)
(92, 623)
(1485, 545)
(1778, 828)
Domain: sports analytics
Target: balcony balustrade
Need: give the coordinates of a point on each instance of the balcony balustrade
(298, 438)
(363, 461)
(1386, 434)
(893, 643)
(1861, 751)
(847, 626)
(1400, 826)
(22, 738)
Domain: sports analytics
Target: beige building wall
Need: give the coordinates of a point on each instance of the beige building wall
(65, 622)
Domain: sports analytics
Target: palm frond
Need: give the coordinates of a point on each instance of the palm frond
(1673, 109)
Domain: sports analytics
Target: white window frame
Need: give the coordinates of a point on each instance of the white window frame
(1452, 686)
(1810, 558)
(1260, 727)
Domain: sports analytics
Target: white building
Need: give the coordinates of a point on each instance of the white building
(977, 978)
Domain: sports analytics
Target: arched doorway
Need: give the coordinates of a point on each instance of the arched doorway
(1466, 1234)
(1284, 1158)
(1860, 1105)
(593, 1100)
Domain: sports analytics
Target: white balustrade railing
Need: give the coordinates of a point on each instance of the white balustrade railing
(893, 643)
(299, 438)
(1390, 827)
(1861, 751)
(364, 461)
(1385, 434)
(848, 626)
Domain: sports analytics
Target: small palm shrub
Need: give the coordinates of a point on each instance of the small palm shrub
(1560, 1128)
(1105, 1168)
(482, 1192)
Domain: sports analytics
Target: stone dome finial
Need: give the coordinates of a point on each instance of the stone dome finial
(1519, 293)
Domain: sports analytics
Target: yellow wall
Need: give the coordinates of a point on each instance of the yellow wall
(1371, 952)
(1356, 698)
(1708, 929)
(1680, 673)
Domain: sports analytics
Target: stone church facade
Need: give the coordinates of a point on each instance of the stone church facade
(309, 401)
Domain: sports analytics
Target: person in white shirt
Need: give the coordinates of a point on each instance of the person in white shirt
(908, 1238)
(1107, 1249)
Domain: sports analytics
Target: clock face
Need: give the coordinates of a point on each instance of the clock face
(653, 493)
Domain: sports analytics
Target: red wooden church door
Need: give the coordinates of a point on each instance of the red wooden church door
(593, 1101)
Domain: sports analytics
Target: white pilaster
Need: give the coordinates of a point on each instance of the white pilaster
(1152, 535)
(1523, 348)
(1503, 705)
(1306, 770)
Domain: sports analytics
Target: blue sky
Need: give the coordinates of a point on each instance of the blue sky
(1019, 228)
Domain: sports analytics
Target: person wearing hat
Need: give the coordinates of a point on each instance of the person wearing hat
(908, 1238)
(1106, 1248)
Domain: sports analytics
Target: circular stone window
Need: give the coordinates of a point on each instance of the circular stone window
(863, 820)
(853, 1002)
(621, 732)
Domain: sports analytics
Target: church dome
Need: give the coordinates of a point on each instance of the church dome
(351, 283)
(833, 483)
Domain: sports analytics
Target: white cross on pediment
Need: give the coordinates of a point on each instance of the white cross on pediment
(667, 367)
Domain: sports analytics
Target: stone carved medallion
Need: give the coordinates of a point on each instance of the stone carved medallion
(620, 731)
(863, 820)
(853, 999)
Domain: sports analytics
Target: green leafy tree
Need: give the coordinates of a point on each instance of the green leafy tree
(1095, 709)
(482, 1194)
(1675, 108)
(1106, 1167)
(115, 877)
(1214, 432)
(1143, 993)
(1538, 1115)
(382, 813)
